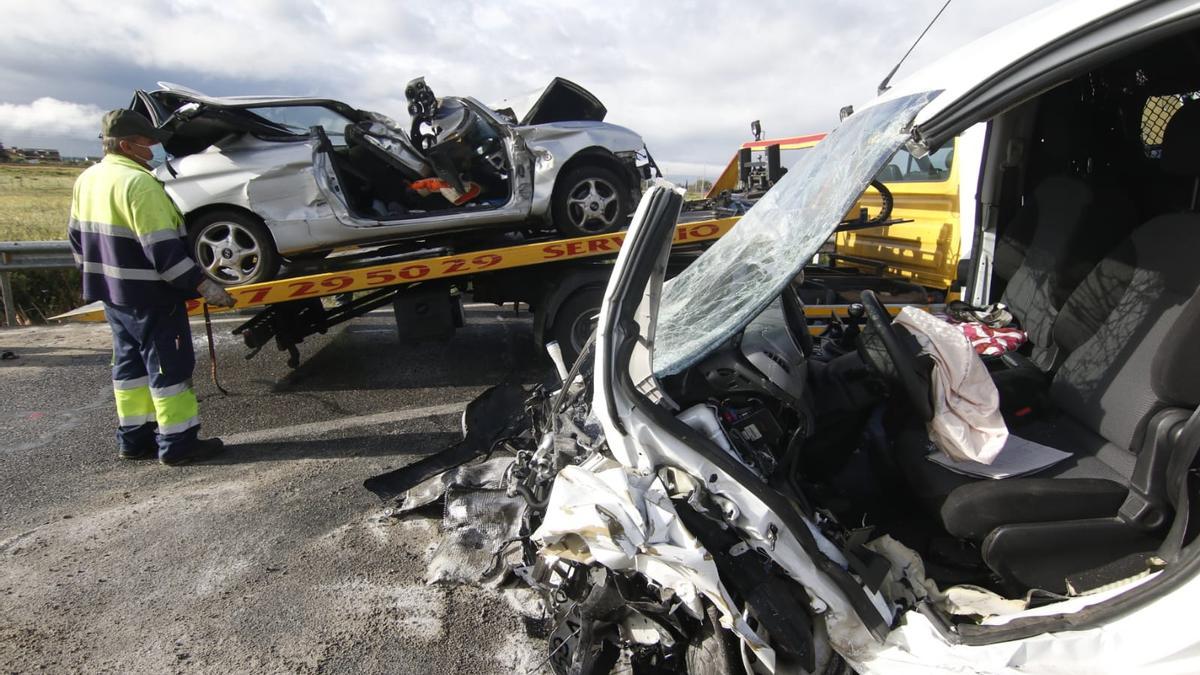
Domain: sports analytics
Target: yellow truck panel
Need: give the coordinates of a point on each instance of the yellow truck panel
(926, 250)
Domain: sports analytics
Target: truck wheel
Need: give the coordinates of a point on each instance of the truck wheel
(233, 248)
(575, 321)
(589, 200)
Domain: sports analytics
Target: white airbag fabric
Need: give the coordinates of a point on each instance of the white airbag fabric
(966, 421)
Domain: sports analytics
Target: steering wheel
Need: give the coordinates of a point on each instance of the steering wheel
(797, 323)
(901, 353)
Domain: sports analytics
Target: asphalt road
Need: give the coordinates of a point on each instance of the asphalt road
(270, 559)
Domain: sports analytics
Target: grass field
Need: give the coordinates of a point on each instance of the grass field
(35, 201)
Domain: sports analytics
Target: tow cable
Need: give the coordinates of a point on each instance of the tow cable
(212, 351)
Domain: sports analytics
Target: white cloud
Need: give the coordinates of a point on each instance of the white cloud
(688, 76)
(51, 117)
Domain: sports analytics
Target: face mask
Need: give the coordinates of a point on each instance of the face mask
(157, 154)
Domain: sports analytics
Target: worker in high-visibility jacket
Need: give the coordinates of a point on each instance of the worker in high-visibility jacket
(130, 245)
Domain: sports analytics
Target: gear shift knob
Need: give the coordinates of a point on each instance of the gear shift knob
(856, 311)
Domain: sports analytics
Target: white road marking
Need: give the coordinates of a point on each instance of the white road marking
(326, 426)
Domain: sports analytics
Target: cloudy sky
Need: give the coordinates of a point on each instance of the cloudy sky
(689, 76)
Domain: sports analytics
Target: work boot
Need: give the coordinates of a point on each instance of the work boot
(146, 453)
(200, 451)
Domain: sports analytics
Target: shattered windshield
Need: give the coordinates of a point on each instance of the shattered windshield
(732, 282)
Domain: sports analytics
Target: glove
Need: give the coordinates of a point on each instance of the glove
(215, 295)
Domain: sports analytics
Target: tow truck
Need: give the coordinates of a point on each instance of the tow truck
(560, 280)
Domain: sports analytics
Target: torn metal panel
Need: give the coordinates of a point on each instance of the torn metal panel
(486, 475)
(1143, 640)
(477, 530)
(494, 415)
(604, 513)
(907, 585)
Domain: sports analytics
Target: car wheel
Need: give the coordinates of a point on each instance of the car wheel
(590, 200)
(233, 248)
(713, 650)
(575, 321)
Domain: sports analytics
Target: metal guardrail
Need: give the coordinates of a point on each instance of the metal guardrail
(28, 255)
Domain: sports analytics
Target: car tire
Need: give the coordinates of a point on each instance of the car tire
(575, 320)
(233, 248)
(714, 650)
(589, 200)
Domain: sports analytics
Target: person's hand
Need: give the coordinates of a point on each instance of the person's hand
(215, 295)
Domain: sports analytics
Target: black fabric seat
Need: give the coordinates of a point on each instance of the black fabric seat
(1129, 382)
(1074, 224)
(1071, 219)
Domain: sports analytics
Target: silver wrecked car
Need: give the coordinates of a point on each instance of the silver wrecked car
(260, 179)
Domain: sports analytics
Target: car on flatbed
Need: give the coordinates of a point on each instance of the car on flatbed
(263, 178)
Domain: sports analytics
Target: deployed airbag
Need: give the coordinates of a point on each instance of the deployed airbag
(966, 423)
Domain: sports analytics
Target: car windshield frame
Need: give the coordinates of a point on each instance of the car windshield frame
(718, 295)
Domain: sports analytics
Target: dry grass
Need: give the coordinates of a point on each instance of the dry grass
(35, 201)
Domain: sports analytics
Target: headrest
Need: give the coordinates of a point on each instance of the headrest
(1181, 142)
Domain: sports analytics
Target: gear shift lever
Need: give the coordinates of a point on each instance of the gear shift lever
(856, 315)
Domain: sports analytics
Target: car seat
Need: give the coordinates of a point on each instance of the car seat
(1122, 394)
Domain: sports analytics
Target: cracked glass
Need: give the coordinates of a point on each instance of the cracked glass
(735, 279)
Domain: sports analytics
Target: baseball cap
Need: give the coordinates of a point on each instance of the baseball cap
(124, 122)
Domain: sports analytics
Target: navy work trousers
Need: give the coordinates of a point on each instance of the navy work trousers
(152, 379)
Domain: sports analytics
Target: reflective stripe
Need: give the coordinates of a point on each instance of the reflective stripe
(121, 272)
(92, 227)
(177, 412)
(136, 420)
(178, 269)
(152, 238)
(134, 406)
(168, 429)
(170, 390)
(132, 384)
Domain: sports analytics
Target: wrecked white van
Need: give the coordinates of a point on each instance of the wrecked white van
(710, 492)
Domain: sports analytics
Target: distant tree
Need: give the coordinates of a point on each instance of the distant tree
(3, 153)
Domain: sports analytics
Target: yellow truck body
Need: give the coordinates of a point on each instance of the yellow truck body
(925, 250)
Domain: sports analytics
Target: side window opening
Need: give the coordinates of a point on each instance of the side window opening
(904, 168)
(299, 119)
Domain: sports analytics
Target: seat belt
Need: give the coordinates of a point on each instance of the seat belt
(1187, 448)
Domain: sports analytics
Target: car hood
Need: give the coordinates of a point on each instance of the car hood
(560, 101)
(564, 101)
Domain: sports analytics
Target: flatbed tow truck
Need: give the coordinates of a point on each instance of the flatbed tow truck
(561, 280)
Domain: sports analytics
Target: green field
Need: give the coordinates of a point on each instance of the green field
(35, 201)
